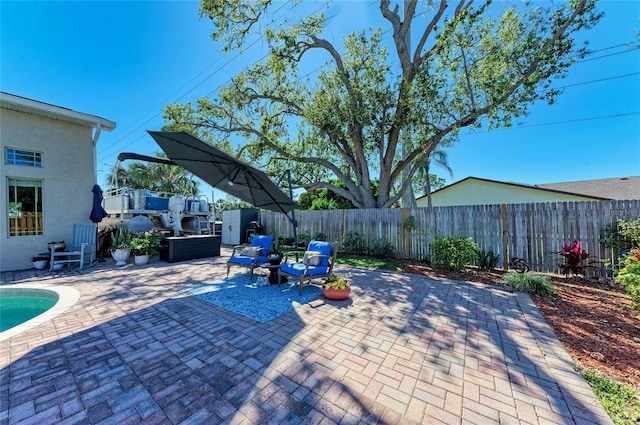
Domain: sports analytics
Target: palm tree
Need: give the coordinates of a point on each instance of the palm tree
(156, 177)
(438, 156)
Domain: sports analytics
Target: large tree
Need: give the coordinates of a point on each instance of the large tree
(469, 65)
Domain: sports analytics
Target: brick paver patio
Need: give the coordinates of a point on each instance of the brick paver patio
(404, 349)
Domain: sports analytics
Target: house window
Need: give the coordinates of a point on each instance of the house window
(25, 207)
(26, 158)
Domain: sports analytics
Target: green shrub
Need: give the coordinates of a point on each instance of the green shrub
(624, 234)
(621, 401)
(320, 236)
(303, 239)
(354, 244)
(452, 252)
(381, 249)
(629, 276)
(487, 260)
(409, 225)
(529, 282)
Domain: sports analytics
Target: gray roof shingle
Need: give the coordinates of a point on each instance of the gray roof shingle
(617, 188)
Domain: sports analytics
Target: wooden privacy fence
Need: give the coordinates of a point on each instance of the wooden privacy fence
(27, 224)
(534, 232)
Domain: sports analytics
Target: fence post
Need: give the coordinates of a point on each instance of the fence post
(505, 239)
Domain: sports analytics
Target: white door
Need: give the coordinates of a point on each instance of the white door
(231, 227)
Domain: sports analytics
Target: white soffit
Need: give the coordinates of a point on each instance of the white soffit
(34, 107)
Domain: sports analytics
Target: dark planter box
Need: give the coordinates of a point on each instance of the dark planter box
(182, 248)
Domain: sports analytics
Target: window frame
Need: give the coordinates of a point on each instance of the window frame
(15, 215)
(23, 158)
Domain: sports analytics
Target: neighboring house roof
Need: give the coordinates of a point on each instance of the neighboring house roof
(618, 188)
(34, 107)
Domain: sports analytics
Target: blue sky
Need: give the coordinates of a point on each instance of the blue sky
(124, 60)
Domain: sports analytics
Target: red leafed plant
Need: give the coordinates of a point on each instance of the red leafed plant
(576, 259)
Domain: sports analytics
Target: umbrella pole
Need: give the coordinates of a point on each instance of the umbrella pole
(293, 212)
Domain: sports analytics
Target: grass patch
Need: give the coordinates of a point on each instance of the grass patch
(622, 402)
(368, 262)
(529, 282)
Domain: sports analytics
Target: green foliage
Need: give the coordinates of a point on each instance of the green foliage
(478, 65)
(354, 243)
(323, 199)
(146, 244)
(487, 260)
(230, 203)
(381, 249)
(529, 282)
(453, 252)
(121, 238)
(155, 177)
(624, 234)
(303, 239)
(320, 236)
(409, 225)
(621, 402)
(337, 282)
(629, 276)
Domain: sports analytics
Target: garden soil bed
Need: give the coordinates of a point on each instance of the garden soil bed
(593, 319)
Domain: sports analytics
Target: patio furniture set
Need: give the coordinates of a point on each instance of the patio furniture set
(316, 262)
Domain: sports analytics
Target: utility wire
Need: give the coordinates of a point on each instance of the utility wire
(517, 127)
(107, 153)
(115, 146)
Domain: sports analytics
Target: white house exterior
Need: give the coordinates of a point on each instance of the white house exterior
(478, 191)
(48, 171)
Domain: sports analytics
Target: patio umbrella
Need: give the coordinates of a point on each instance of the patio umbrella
(97, 212)
(223, 171)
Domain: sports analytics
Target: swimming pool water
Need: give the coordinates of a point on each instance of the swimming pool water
(15, 310)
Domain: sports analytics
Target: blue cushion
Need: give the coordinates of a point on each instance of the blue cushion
(324, 248)
(264, 241)
(296, 269)
(243, 259)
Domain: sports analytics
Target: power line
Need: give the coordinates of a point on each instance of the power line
(597, 81)
(115, 148)
(556, 123)
(155, 115)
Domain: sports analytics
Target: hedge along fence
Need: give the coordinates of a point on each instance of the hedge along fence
(534, 232)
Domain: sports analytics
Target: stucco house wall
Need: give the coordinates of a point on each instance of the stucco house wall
(473, 191)
(68, 174)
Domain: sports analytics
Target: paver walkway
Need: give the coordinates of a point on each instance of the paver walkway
(404, 349)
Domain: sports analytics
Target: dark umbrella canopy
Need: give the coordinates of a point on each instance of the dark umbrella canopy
(97, 212)
(223, 171)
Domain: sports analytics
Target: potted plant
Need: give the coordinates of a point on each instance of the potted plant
(143, 246)
(40, 261)
(121, 245)
(336, 288)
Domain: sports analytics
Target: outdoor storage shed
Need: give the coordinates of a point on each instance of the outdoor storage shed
(235, 223)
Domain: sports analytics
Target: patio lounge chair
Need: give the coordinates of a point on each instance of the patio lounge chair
(317, 262)
(82, 247)
(252, 255)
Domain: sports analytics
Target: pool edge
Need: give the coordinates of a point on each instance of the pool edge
(67, 298)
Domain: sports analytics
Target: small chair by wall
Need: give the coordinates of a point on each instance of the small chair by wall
(81, 248)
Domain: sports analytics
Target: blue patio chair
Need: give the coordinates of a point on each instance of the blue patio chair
(81, 248)
(317, 263)
(252, 255)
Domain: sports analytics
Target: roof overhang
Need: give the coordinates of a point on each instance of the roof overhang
(34, 107)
